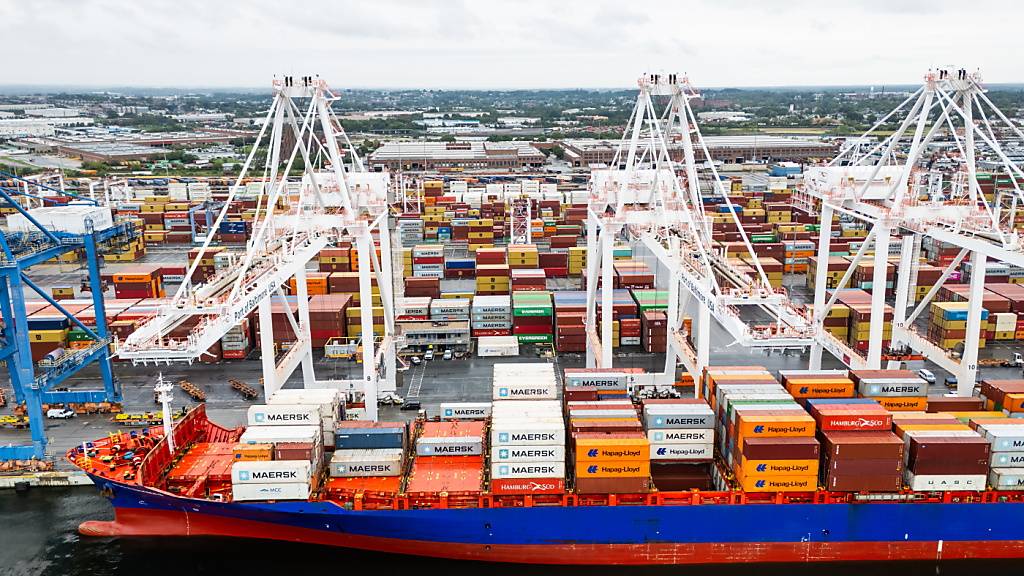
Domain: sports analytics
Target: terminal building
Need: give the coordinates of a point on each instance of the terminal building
(465, 155)
(584, 152)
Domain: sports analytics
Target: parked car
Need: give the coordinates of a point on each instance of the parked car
(60, 413)
(447, 355)
(429, 355)
(927, 375)
(410, 405)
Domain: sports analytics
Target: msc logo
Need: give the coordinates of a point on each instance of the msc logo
(503, 453)
(502, 436)
(758, 429)
(447, 411)
(592, 453)
(759, 484)
(662, 451)
(243, 476)
(503, 392)
(762, 467)
(260, 417)
(502, 470)
(659, 436)
(592, 470)
(804, 389)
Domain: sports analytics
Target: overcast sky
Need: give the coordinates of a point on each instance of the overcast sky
(491, 44)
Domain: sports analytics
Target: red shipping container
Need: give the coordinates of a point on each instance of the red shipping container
(528, 486)
(852, 417)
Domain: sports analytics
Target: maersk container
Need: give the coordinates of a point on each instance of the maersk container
(683, 436)
(359, 463)
(328, 400)
(465, 410)
(676, 419)
(546, 453)
(256, 492)
(893, 387)
(527, 433)
(270, 472)
(1006, 478)
(284, 415)
(1008, 459)
(945, 482)
(665, 451)
(1006, 438)
(526, 407)
(525, 391)
(502, 470)
(368, 438)
(450, 446)
(609, 380)
(278, 434)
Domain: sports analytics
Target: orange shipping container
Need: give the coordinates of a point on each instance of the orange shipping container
(772, 468)
(774, 424)
(611, 449)
(806, 483)
(253, 452)
(821, 388)
(902, 429)
(902, 403)
(614, 469)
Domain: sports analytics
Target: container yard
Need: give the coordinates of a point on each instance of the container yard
(390, 368)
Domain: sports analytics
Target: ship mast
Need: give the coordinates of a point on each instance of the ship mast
(163, 390)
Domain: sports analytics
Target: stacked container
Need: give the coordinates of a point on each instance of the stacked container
(449, 309)
(297, 457)
(326, 402)
(367, 455)
(681, 434)
(532, 317)
(1007, 444)
(896, 390)
(428, 261)
(803, 384)
(847, 429)
(523, 256)
(527, 449)
(492, 315)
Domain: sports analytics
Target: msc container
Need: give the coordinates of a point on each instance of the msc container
(682, 451)
(359, 463)
(548, 453)
(502, 470)
(449, 446)
(251, 492)
(682, 436)
(284, 415)
(465, 410)
(278, 434)
(271, 472)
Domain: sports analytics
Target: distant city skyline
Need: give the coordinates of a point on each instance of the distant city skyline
(462, 44)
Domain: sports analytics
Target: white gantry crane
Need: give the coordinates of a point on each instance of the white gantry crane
(922, 182)
(296, 217)
(650, 197)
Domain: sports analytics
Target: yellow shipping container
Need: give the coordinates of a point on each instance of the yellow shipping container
(47, 335)
(807, 483)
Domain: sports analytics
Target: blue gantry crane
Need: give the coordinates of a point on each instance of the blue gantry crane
(35, 384)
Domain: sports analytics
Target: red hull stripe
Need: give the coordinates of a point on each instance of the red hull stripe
(139, 522)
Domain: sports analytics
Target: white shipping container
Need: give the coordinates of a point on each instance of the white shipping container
(527, 433)
(278, 434)
(943, 482)
(682, 451)
(251, 492)
(1006, 478)
(540, 373)
(684, 436)
(525, 391)
(893, 388)
(497, 346)
(450, 446)
(502, 470)
(284, 415)
(271, 472)
(599, 413)
(360, 463)
(657, 418)
(465, 410)
(1008, 459)
(604, 380)
(546, 453)
(71, 218)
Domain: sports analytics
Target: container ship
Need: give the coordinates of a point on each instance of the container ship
(802, 467)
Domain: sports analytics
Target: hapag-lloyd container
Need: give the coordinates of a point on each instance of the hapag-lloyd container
(466, 410)
(681, 451)
(503, 470)
(683, 436)
(449, 446)
(545, 453)
(259, 492)
(611, 449)
(270, 472)
(361, 463)
(284, 415)
(613, 469)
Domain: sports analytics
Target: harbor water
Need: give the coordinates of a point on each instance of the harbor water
(39, 536)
